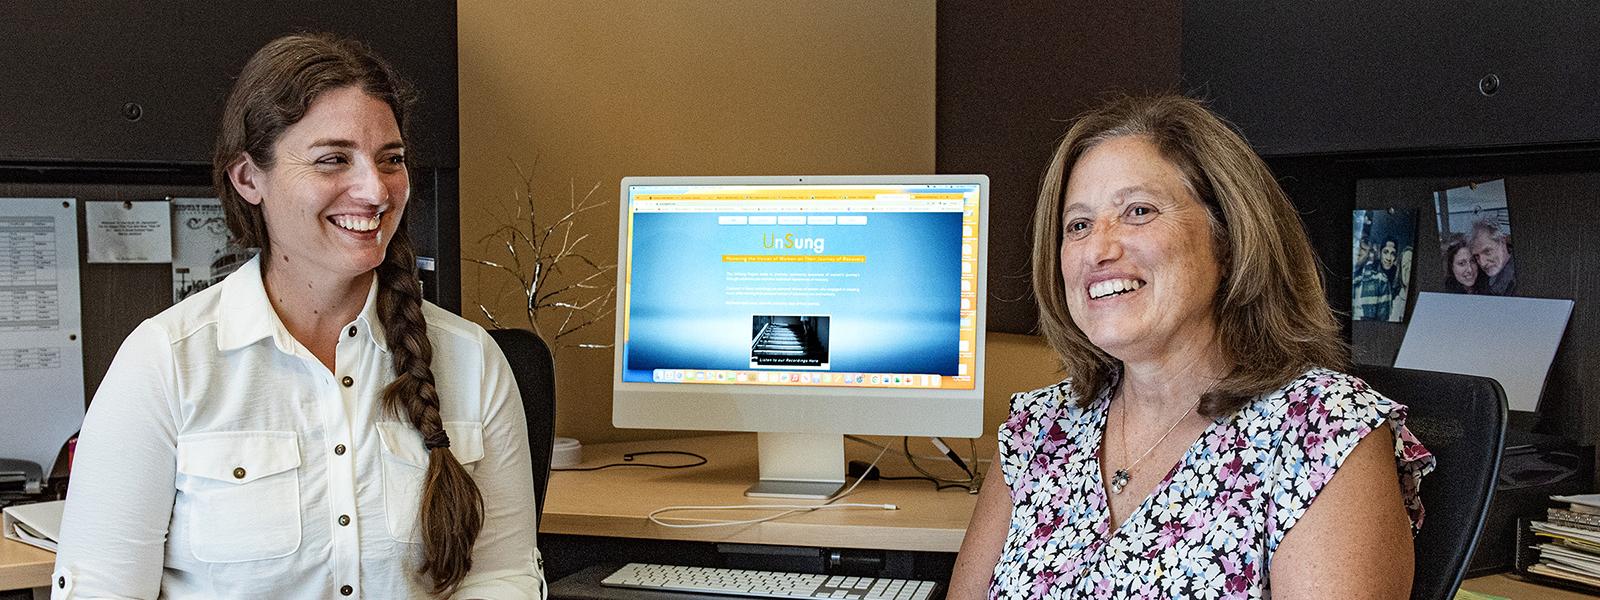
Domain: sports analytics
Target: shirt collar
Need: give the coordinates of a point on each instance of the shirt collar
(247, 315)
(368, 320)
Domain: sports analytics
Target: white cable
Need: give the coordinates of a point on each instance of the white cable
(788, 509)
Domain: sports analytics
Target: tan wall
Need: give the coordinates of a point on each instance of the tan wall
(586, 92)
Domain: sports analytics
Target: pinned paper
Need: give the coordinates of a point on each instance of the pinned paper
(201, 255)
(41, 342)
(129, 232)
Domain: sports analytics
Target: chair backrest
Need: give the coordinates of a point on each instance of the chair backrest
(534, 369)
(1462, 420)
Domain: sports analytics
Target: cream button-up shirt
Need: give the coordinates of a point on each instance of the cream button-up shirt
(220, 459)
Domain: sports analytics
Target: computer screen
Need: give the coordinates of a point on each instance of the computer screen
(802, 306)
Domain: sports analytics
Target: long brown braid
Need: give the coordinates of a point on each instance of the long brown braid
(452, 507)
(274, 90)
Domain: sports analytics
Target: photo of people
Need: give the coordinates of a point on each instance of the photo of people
(1382, 251)
(1475, 235)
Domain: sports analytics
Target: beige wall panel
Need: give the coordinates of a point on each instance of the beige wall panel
(587, 92)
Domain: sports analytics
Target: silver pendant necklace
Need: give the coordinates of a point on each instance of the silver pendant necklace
(1121, 477)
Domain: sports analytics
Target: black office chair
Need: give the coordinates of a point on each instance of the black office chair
(533, 367)
(1462, 420)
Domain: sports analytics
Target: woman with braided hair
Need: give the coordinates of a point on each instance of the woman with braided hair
(310, 427)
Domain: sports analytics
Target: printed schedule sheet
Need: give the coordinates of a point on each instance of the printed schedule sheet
(41, 342)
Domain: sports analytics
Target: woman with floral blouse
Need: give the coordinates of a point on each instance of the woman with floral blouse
(1204, 443)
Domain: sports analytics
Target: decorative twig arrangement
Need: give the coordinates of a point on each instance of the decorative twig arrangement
(585, 293)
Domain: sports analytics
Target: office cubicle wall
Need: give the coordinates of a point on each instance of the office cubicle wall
(119, 101)
(1361, 105)
(1355, 76)
(117, 297)
(1355, 104)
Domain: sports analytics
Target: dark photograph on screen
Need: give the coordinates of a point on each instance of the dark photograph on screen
(1475, 239)
(788, 342)
(1384, 244)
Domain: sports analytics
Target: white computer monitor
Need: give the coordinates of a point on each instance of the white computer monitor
(802, 308)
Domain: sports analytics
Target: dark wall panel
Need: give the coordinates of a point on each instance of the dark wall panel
(1010, 75)
(1557, 250)
(70, 70)
(1555, 256)
(1356, 75)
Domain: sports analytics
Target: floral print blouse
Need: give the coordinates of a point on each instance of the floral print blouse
(1211, 526)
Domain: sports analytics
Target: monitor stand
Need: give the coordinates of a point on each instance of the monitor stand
(799, 465)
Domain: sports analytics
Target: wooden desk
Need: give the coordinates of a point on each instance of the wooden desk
(614, 502)
(1511, 586)
(24, 566)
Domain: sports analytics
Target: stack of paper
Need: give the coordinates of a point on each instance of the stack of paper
(1572, 549)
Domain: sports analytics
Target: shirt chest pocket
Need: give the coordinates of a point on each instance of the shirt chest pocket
(241, 492)
(405, 461)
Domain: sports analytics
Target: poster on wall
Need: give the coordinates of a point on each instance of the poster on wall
(201, 255)
(1475, 239)
(1384, 244)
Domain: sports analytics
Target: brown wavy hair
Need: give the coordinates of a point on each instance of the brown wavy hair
(274, 91)
(1272, 315)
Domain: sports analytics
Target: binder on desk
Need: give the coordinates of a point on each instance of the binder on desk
(34, 524)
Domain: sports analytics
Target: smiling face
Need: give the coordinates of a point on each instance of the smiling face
(1139, 260)
(1386, 256)
(1490, 252)
(1463, 267)
(337, 186)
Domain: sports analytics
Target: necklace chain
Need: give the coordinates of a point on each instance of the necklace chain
(1120, 479)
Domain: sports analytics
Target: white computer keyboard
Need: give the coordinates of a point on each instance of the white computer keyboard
(765, 584)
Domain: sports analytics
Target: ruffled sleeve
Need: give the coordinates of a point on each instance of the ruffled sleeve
(1324, 416)
(1020, 436)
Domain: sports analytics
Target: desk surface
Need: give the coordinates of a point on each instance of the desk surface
(1510, 586)
(24, 566)
(614, 502)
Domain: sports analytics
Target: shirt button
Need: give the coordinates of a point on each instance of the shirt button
(352, 331)
(238, 472)
(346, 590)
(344, 520)
(347, 381)
(339, 450)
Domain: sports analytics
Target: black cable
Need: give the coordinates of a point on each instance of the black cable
(629, 457)
(940, 483)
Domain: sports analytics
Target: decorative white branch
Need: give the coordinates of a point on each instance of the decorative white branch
(587, 291)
